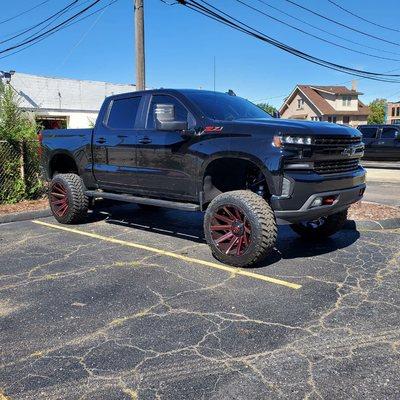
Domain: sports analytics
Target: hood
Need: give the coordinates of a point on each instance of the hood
(275, 126)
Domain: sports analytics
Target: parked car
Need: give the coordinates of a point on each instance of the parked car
(382, 142)
(213, 152)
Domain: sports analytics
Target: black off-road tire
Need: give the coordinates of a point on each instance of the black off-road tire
(330, 225)
(260, 221)
(74, 202)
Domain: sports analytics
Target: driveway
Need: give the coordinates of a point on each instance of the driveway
(383, 186)
(132, 306)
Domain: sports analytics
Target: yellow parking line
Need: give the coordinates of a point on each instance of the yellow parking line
(222, 267)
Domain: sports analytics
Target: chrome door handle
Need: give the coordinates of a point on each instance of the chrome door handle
(145, 140)
(101, 140)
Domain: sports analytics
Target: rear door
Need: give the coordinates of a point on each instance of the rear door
(370, 139)
(165, 165)
(114, 143)
(389, 144)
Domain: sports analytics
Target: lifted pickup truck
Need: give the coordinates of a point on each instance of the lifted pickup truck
(205, 151)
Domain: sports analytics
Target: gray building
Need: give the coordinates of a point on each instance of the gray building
(63, 102)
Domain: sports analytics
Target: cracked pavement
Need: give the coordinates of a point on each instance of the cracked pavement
(82, 318)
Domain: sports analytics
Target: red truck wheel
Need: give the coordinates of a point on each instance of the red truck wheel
(67, 198)
(240, 228)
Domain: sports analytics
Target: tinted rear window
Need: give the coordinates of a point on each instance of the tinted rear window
(123, 113)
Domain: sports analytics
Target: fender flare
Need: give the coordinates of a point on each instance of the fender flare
(240, 156)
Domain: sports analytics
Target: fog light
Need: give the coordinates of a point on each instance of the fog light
(317, 202)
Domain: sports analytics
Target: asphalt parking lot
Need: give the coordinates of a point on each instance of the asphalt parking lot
(132, 306)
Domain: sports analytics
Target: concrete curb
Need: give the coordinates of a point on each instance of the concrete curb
(391, 223)
(24, 216)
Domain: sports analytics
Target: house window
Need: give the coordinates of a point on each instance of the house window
(332, 118)
(346, 119)
(393, 111)
(300, 104)
(346, 101)
(315, 119)
(398, 112)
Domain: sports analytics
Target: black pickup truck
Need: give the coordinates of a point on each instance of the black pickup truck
(205, 151)
(382, 142)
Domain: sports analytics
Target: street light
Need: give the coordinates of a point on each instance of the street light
(7, 75)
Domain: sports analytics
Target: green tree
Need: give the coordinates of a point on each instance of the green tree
(19, 162)
(267, 108)
(378, 111)
(15, 125)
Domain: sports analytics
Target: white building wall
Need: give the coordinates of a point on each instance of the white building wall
(78, 100)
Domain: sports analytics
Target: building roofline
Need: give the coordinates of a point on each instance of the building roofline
(292, 93)
(74, 79)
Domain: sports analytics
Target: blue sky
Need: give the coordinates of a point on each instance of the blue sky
(181, 45)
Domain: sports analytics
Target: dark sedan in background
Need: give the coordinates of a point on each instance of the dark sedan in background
(382, 142)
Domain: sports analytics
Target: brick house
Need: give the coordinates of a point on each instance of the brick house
(393, 113)
(336, 104)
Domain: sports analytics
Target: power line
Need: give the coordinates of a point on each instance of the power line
(270, 98)
(314, 36)
(82, 38)
(362, 18)
(9, 34)
(59, 29)
(23, 12)
(51, 17)
(324, 30)
(234, 23)
(52, 30)
(341, 24)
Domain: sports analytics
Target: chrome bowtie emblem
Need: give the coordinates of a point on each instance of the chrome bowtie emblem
(349, 151)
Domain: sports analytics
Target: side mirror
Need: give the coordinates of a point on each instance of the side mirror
(165, 118)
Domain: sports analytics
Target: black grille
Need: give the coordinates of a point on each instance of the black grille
(335, 166)
(336, 140)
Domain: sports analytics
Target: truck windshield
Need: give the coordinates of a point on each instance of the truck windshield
(223, 107)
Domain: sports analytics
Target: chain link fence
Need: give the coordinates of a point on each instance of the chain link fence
(20, 177)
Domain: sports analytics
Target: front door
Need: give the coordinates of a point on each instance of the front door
(165, 165)
(389, 144)
(114, 144)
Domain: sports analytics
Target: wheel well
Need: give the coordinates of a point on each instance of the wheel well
(226, 174)
(62, 163)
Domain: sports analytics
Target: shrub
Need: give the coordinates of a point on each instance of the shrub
(19, 161)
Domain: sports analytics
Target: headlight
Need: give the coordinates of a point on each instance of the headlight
(280, 141)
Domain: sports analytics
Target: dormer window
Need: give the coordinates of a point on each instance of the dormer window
(346, 101)
(300, 104)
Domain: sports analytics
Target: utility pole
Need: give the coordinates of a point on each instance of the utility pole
(139, 45)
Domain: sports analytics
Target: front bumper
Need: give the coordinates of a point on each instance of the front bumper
(348, 188)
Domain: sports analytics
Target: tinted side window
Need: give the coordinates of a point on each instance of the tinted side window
(123, 113)
(389, 133)
(181, 114)
(368, 132)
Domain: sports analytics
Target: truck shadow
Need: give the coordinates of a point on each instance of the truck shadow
(189, 226)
